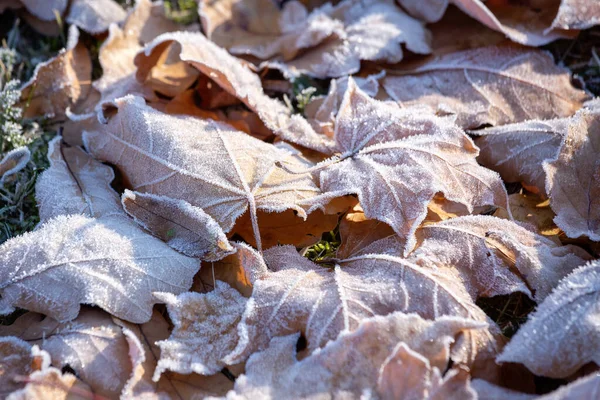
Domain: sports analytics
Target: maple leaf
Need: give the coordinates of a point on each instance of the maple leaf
(234, 171)
(205, 330)
(99, 258)
(13, 161)
(291, 293)
(95, 16)
(573, 179)
(92, 345)
(492, 256)
(490, 85)
(351, 364)
(562, 334)
(61, 82)
(517, 151)
(409, 158)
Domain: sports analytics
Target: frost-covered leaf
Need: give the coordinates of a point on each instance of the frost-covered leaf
(492, 256)
(406, 374)
(60, 82)
(84, 184)
(517, 151)
(46, 10)
(350, 365)
(92, 345)
(242, 28)
(577, 14)
(488, 391)
(94, 16)
(534, 213)
(185, 228)
(528, 22)
(205, 330)
(562, 335)
(17, 360)
(234, 171)
(490, 85)
(232, 76)
(357, 232)
(13, 161)
(428, 10)
(573, 179)
(293, 294)
(586, 387)
(408, 158)
(52, 384)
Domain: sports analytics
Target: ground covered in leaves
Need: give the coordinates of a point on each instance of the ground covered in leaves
(299, 199)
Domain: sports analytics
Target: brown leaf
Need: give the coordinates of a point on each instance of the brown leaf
(17, 361)
(52, 384)
(205, 330)
(185, 228)
(95, 16)
(232, 76)
(573, 179)
(577, 14)
(517, 151)
(60, 82)
(490, 85)
(408, 157)
(357, 232)
(92, 345)
(293, 294)
(492, 257)
(562, 335)
(489, 391)
(231, 270)
(350, 365)
(13, 161)
(234, 171)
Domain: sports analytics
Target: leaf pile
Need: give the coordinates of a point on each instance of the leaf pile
(201, 238)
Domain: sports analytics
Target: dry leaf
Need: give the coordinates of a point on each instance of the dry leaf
(488, 391)
(95, 16)
(573, 179)
(185, 228)
(71, 259)
(242, 28)
(234, 171)
(577, 14)
(533, 213)
(92, 345)
(490, 85)
(406, 374)
(358, 232)
(46, 10)
(52, 384)
(492, 256)
(586, 387)
(408, 158)
(59, 83)
(517, 151)
(348, 366)
(292, 294)
(17, 360)
(562, 335)
(233, 77)
(205, 330)
(13, 161)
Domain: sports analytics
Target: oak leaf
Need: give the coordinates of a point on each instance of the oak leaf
(562, 335)
(234, 171)
(573, 179)
(409, 157)
(491, 85)
(350, 365)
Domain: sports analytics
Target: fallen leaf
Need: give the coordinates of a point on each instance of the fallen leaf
(532, 212)
(577, 14)
(61, 264)
(185, 228)
(581, 388)
(52, 384)
(406, 374)
(573, 179)
(13, 161)
(350, 365)
(489, 391)
(292, 294)
(59, 83)
(46, 10)
(562, 335)
(234, 171)
(409, 157)
(491, 85)
(517, 151)
(205, 331)
(358, 232)
(92, 346)
(17, 360)
(493, 257)
(95, 16)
